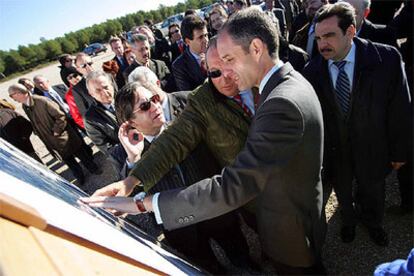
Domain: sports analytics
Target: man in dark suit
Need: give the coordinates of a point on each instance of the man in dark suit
(366, 106)
(189, 68)
(280, 164)
(368, 30)
(305, 36)
(177, 43)
(118, 48)
(84, 65)
(141, 47)
(100, 120)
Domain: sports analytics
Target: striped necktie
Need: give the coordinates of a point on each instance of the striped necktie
(238, 99)
(343, 87)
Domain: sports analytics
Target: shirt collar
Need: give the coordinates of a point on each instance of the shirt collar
(350, 57)
(150, 138)
(197, 57)
(269, 74)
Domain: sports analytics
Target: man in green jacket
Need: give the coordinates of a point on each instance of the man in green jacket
(211, 116)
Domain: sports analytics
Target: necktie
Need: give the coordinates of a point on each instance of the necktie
(180, 46)
(238, 99)
(343, 87)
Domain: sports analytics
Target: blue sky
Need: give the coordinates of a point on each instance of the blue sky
(25, 21)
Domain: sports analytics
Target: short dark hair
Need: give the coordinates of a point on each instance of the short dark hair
(173, 25)
(125, 101)
(190, 12)
(23, 80)
(251, 23)
(343, 10)
(63, 58)
(191, 23)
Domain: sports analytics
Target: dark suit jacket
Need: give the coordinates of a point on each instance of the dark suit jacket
(377, 33)
(301, 40)
(102, 127)
(187, 73)
(379, 116)
(82, 98)
(292, 54)
(175, 51)
(280, 165)
(119, 78)
(160, 69)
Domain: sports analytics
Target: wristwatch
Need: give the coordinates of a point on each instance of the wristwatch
(139, 201)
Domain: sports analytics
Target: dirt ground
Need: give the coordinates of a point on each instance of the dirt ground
(357, 258)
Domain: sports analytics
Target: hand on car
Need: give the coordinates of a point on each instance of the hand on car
(115, 204)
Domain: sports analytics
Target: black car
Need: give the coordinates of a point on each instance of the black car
(94, 49)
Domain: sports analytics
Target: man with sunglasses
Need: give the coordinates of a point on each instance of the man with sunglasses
(143, 120)
(83, 100)
(279, 164)
(177, 43)
(211, 118)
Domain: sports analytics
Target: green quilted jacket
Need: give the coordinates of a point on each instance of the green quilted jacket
(209, 118)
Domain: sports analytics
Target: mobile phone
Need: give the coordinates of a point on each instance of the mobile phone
(135, 136)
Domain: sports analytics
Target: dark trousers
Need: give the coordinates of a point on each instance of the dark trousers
(85, 155)
(405, 180)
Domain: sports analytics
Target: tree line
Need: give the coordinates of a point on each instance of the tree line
(27, 57)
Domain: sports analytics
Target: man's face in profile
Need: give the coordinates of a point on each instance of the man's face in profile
(237, 63)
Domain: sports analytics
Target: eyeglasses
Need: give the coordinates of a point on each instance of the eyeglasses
(214, 74)
(175, 32)
(72, 76)
(86, 64)
(145, 106)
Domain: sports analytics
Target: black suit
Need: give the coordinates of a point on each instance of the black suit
(377, 33)
(102, 128)
(119, 78)
(175, 51)
(375, 132)
(82, 98)
(160, 69)
(187, 73)
(280, 165)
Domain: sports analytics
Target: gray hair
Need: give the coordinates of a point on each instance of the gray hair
(18, 87)
(143, 76)
(96, 74)
(139, 38)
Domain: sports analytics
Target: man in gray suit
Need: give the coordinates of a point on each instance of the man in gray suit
(279, 165)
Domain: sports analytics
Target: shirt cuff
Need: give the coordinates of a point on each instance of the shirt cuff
(156, 208)
(130, 165)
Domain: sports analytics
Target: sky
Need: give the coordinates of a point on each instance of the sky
(26, 21)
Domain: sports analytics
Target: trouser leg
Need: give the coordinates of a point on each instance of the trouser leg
(75, 168)
(405, 181)
(370, 198)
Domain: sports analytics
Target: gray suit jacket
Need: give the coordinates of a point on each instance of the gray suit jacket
(280, 165)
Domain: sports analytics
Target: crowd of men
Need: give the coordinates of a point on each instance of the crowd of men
(246, 112)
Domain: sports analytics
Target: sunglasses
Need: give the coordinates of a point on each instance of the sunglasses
(86, 64)
(175, 32)
(145, 106)
(214, 74)
(72, 76)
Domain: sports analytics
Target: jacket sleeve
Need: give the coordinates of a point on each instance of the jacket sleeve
(399, 113)
(172, 146)
(59, 117)
(95, 134)
(275, 137)
(180, 76)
